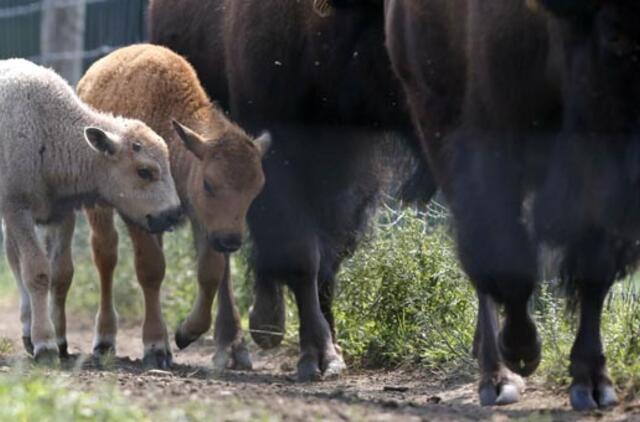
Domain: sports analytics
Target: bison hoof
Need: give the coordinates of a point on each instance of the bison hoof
(584, 397)
(183, 339)
(310, 370)
(234, 357)
(157, 359)
(104, 349)
(523, 359)
(63, 347)
(47, 356)
(28, 345)
(334, 368)
(500, 390)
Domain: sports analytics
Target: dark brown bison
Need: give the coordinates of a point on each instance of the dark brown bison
(516, 99)
(320, 81)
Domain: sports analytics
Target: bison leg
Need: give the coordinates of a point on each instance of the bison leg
(267, 317)
(500, 258)
(104, 245)
(319, 356)
(591, 387)
(231, 350)
(326, 287)
(211, 268)
(150, 270)
(13, 258)
(498, 385)
(34, 271)
(592, 267)
(58, 240)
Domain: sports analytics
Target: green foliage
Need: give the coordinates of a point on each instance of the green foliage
(403, 298)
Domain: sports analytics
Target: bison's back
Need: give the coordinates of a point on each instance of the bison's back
(145, 82)
(194, 28)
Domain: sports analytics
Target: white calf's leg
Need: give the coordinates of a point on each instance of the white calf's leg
(25, 304)
(58, 240)
(35, 274)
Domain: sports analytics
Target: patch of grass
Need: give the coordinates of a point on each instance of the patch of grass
(404, 299)
(32, 397)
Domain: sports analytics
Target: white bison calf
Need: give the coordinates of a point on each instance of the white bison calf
(57, 154)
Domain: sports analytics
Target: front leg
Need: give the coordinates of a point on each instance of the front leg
(104, 245)
(319, 356)
(498, 385)
(34, 271)
(150, 270)
(58, 240)
(500, 258)
(231, 350)
(211, 270)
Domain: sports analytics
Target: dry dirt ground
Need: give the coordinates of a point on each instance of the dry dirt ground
(270, 392)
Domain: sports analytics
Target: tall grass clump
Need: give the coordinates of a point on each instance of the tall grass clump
(404, 299)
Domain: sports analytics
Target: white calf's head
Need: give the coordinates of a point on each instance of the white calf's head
(134, 176)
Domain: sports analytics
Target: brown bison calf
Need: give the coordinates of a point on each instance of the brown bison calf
(218, 172)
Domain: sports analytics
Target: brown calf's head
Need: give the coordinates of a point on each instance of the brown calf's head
(223, 187)
(134, 175)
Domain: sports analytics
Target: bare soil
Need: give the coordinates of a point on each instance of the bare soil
(270, 391)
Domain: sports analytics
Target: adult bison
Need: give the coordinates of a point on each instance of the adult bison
(518, 99)
(320, 81)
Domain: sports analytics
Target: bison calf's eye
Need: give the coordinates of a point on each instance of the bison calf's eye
(145, 174)
(208, 188)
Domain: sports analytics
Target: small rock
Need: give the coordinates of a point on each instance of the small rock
(434, 399)
(395, 388)
(391, 404)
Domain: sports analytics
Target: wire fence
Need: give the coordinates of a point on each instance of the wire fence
(104, 24)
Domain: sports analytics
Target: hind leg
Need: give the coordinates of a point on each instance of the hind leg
(150, 270)
(267, 316)
(13, 258)
(326, 291)
(58, 240)
(231, 349)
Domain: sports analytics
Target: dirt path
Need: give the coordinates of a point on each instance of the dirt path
(269, 391)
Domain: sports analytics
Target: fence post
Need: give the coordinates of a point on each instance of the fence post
(62, 37)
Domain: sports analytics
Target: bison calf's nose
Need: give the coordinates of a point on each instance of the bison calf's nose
(164, 221)
(225, 243)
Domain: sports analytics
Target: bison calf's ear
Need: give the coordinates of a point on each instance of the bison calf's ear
(192, 140)
(101, 141)
(263, 142)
